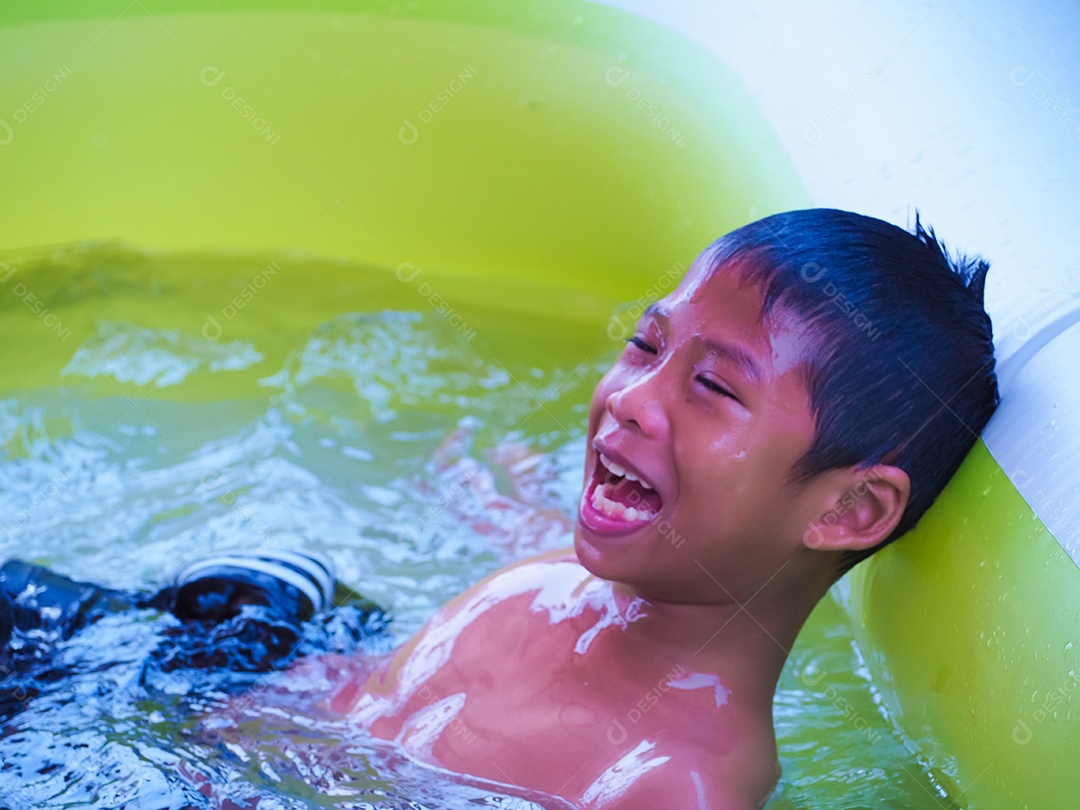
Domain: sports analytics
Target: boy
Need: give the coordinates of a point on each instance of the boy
(794, 405)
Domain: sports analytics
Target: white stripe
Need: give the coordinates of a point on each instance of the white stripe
(298, 581)
(318, 566)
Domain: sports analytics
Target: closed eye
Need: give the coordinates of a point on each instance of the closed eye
(716, 388)
(641, 344)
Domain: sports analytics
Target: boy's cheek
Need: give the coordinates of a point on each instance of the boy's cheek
(708, 501)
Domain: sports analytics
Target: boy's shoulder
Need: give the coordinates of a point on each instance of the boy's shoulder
(528, 575)
(544, 564)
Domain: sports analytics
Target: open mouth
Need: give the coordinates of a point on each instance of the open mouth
(617, 498)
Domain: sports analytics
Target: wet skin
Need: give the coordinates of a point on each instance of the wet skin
(638, 669)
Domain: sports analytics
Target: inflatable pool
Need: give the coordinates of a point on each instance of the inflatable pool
(562, 161)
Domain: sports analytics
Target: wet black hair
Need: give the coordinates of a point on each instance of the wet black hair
(901, 369)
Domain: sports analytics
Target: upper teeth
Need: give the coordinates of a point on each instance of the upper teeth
(620, 470)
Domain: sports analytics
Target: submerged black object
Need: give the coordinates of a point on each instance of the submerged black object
(38, 609)
(51, 605)
(243, 611)
(291, 586)
(238, 614)
(294, 586)
(7, 618)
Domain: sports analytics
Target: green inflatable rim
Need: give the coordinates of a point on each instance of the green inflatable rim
(970, 626)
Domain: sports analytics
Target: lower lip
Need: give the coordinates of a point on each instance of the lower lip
(599, 523)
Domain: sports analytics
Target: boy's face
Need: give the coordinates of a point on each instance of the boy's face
(713, 439)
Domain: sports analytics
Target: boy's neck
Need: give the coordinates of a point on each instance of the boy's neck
(745, 644)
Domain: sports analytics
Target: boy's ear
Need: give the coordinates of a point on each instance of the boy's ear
(863, 511)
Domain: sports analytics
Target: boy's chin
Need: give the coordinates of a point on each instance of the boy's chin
(590, 557)
(599, 561)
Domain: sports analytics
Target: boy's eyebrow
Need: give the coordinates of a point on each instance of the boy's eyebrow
(744, 360)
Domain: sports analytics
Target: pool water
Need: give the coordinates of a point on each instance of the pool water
(419, 429)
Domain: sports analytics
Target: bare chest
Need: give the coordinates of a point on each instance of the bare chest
(552, 704)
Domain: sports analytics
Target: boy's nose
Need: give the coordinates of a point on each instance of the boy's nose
(637, 407)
